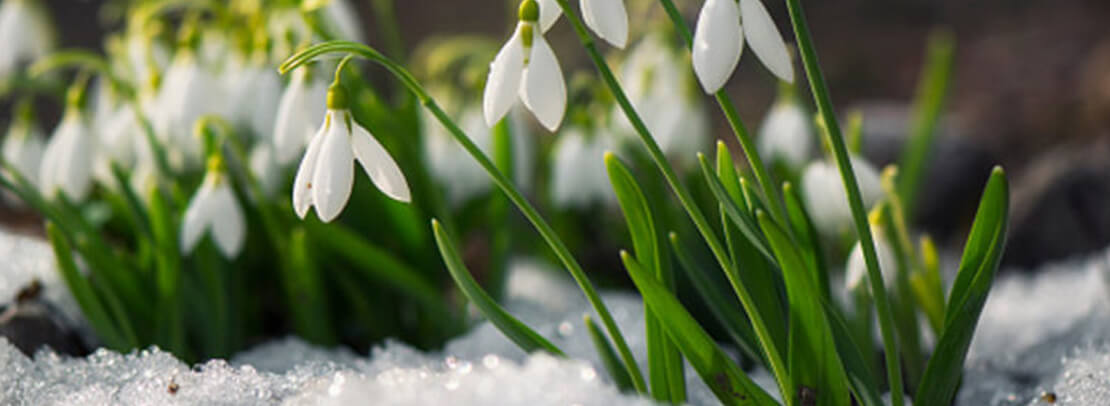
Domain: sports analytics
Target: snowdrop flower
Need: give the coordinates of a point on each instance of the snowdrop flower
(145, 55)
(526, 68)
(255, 92)
(26, 32)
(188, 92)
(214, 210)
(787, 132)
(23, 145)
(578, 170)
(660, 90)
(67, 162)
(298, 113)
(719, 41)
(607, 18)
(855, 272)
(326, 174)
(827, 202)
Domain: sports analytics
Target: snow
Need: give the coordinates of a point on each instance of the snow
(1040, 334)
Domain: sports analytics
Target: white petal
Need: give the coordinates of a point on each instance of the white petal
(302, 183)
(765, 39)
(504, 78)
(608, 19)
(786, 135)
(379, 165)
(335, 170)
(292, 120)
(718, 41)
(228, 227)
(543, 90)
(198, 218)
(549, 14)
(77, 171)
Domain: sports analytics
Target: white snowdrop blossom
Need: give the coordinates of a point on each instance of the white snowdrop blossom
(578, 170)
(188, 92)
(326, 174)
(299, 112)
(23, 148)
(855, 271)
(658, 85)
(787, 134)
(526, 68)
(145, 55)
(67, 161)
(608, 18)
(214, 211)
(255, 92)
(26, 33)
(825, 198)
(719, 40)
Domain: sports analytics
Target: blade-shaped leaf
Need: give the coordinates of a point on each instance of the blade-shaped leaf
(747, 228)
(731, 385)
(83, 292)
(645, 240)
(608, 356)
(522, 335)
(815, 366)
(982, 255)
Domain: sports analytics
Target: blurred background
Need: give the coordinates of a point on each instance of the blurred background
(1030, 91)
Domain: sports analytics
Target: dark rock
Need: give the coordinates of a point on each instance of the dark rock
(31, 323)
(1061, 205)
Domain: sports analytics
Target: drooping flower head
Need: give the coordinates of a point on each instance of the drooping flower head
(214, 211)
(855, 271)
(526, 68)
(23, 145)
(786, 134)
(326, 174)
(827, 202)
(67, 162)
(26, 32)
(719, 40)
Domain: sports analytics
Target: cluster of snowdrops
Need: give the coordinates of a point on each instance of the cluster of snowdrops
(165, 191)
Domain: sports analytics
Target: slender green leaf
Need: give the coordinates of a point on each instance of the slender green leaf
(815, 366)
(858, 367)
(731, 385)
(641, 226)
(608, 357)
(725, 308)
(747, 228)
(932, 92)
(806, 234)
(982, 255)
(522, 335)
(83, 292)
(375, 262)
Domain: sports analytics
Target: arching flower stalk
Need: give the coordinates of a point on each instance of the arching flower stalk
(214, 211)
(526, 68)
(326, 174)
(719, 40)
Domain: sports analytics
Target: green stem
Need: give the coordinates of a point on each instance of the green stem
(502, 182)
(724, 101)
(840, 151)
(773, 355)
